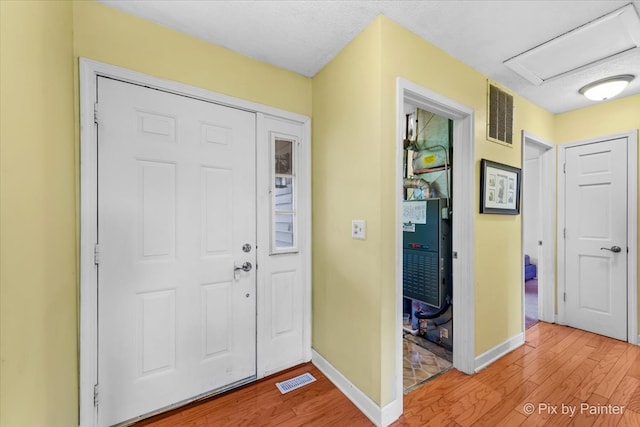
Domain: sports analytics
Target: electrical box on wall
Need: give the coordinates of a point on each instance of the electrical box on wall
(359, 229)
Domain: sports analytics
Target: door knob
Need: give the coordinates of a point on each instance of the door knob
(245, 267)
(615, 249)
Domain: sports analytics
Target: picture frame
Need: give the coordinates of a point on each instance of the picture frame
(499, 188)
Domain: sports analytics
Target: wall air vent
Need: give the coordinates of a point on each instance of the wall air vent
(499, 115)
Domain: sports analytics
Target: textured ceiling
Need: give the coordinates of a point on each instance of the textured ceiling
(303, 35)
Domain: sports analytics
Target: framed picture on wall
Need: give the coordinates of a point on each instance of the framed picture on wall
(499, 188)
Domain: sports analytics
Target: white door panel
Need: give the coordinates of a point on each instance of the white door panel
(283, 334)
(176, 203)
(284, 308)
(596, 287)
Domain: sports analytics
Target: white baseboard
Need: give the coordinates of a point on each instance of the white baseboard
(381, 417)
(391, 412)
(498, 351)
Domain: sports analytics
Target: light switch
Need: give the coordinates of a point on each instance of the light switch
(359, 229)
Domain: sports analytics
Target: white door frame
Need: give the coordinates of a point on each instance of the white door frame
(463, 193)
(632, 227)
(89, 71)
(546, 289)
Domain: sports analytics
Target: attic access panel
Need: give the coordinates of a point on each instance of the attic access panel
(612, 35)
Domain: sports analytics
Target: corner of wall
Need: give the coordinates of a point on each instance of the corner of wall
(39, 379)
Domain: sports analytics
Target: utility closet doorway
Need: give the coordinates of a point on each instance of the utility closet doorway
(538, 229)
(426, 246)
(411, 97)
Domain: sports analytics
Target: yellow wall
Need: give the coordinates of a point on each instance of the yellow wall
(38, 344)
(498, 257)
(618, 115)
(346, 272)
(354, 116)
(605, 118)
(111, 36)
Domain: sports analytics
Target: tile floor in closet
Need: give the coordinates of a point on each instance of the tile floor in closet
(422, 360)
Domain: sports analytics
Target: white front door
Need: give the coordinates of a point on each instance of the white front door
(176, 207)
(596, 237)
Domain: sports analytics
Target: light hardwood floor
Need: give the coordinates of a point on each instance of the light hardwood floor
(594, 380)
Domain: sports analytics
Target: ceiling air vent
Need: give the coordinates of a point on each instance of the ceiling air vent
(500, 115)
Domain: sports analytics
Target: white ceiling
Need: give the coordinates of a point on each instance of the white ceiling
(304, 35)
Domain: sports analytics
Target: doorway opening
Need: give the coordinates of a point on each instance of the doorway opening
(426, 247)
(459, 119)
(538, 229)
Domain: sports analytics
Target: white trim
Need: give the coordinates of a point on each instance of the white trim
(391, 413)
(560, 235)
(463, 221)
(547, 296)
(119, 73)
(88, 232)
(632, 227)
(495, 353)
(304, 180)
(632, 237)
(546, 268)
(262, 151)
(379, 416)
(89, 70)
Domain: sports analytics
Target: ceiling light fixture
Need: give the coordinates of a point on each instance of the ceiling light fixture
(606, 88)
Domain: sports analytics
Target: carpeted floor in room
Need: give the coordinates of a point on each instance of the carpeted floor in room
(530, 303)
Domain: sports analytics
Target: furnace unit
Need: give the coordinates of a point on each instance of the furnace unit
(426, 261)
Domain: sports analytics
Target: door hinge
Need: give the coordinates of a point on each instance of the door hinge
(564, 168)
(96, 395)
(564, 297)
(564, 233)
(96, 254)
(95, 113)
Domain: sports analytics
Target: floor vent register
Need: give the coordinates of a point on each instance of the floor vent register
(295, 383)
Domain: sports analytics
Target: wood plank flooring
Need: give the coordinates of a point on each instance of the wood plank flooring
(261, 404)
(561, 376)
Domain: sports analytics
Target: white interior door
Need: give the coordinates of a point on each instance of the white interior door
(596, 237)
(176, 205)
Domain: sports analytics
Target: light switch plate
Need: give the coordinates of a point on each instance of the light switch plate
(359, 229)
